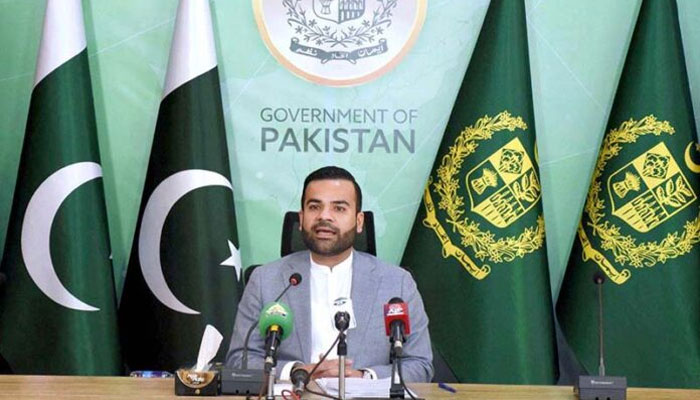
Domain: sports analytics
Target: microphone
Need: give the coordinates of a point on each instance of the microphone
(276, 324)
(294, 280)
(342, 320)
(396, 324)
(243, 381)
(601, 386)
(599, 279)
(300, 378)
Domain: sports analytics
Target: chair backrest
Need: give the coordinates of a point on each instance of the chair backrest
(248, 272)
(292, 241)
(4, 366)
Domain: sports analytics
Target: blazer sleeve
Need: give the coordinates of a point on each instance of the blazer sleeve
(417, 361)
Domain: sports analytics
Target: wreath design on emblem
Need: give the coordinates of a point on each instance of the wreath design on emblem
(625, 248)
(483, 242)
(319, 33)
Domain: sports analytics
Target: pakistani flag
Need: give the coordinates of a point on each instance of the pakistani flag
(185, 265)
(58, 306)
(477, 247)
(640, 226)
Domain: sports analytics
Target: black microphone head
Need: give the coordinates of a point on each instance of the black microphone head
(300, 378)
(295, 279)
(342, 320)
(299, 375)
(395, 300)
(598, 278)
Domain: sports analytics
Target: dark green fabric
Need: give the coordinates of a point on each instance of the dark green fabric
(652, 319)
(38, 335)
(190, 134)
(498, 329)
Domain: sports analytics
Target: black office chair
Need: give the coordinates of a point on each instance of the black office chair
(441, 370)
(4, 366)
(248, 272)
(292, 241)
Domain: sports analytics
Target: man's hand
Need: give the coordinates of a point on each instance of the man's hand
(329, 369)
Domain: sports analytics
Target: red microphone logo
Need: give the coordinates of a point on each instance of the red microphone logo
(396, 312)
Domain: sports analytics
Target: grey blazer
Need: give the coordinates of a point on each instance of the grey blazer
(374, 283)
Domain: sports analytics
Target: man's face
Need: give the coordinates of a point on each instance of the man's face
(328, 218)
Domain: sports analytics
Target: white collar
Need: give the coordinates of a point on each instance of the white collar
(342, 266)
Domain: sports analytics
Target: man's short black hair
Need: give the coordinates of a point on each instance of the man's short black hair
(331, 173)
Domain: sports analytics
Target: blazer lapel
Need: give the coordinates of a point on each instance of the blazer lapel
(299, 299)
(365, 285)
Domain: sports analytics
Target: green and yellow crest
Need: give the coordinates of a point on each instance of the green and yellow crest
(504, 186)
(644, 193)
(649, 190)
(501, 188)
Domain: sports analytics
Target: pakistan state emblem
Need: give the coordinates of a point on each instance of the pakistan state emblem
(649, 190)
(339, 42)
(504, 186)
(644, 195)
(501, 188)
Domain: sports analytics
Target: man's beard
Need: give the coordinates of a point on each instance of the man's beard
(327, 248)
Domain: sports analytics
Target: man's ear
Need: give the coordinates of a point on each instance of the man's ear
(360, 219)
(301, 218)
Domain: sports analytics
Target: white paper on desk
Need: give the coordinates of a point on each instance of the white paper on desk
(358, 387)
(211, 340)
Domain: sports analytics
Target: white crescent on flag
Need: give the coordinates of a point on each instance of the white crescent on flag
(163, 198)
(36, 230)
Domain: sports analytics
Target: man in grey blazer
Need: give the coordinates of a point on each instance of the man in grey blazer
(329, 219)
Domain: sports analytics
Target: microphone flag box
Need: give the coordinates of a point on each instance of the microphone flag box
(189, 382)
(241, 382)
(601, 387)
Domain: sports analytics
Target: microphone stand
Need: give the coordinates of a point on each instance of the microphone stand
(244, 381)
(396, 390)
(271, 384)
(342, 353)
(601, 361)
(342, 322)
(601, 386)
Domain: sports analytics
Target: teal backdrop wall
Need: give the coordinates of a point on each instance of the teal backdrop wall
(576, 53)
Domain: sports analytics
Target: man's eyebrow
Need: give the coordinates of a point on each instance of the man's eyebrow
(344, 202)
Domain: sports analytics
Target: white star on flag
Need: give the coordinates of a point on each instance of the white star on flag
(235, 259)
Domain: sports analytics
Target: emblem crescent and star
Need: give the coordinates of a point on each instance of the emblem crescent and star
(689, 159)
(159, 204)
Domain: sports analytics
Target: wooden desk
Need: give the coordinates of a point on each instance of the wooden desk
(103, 388)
